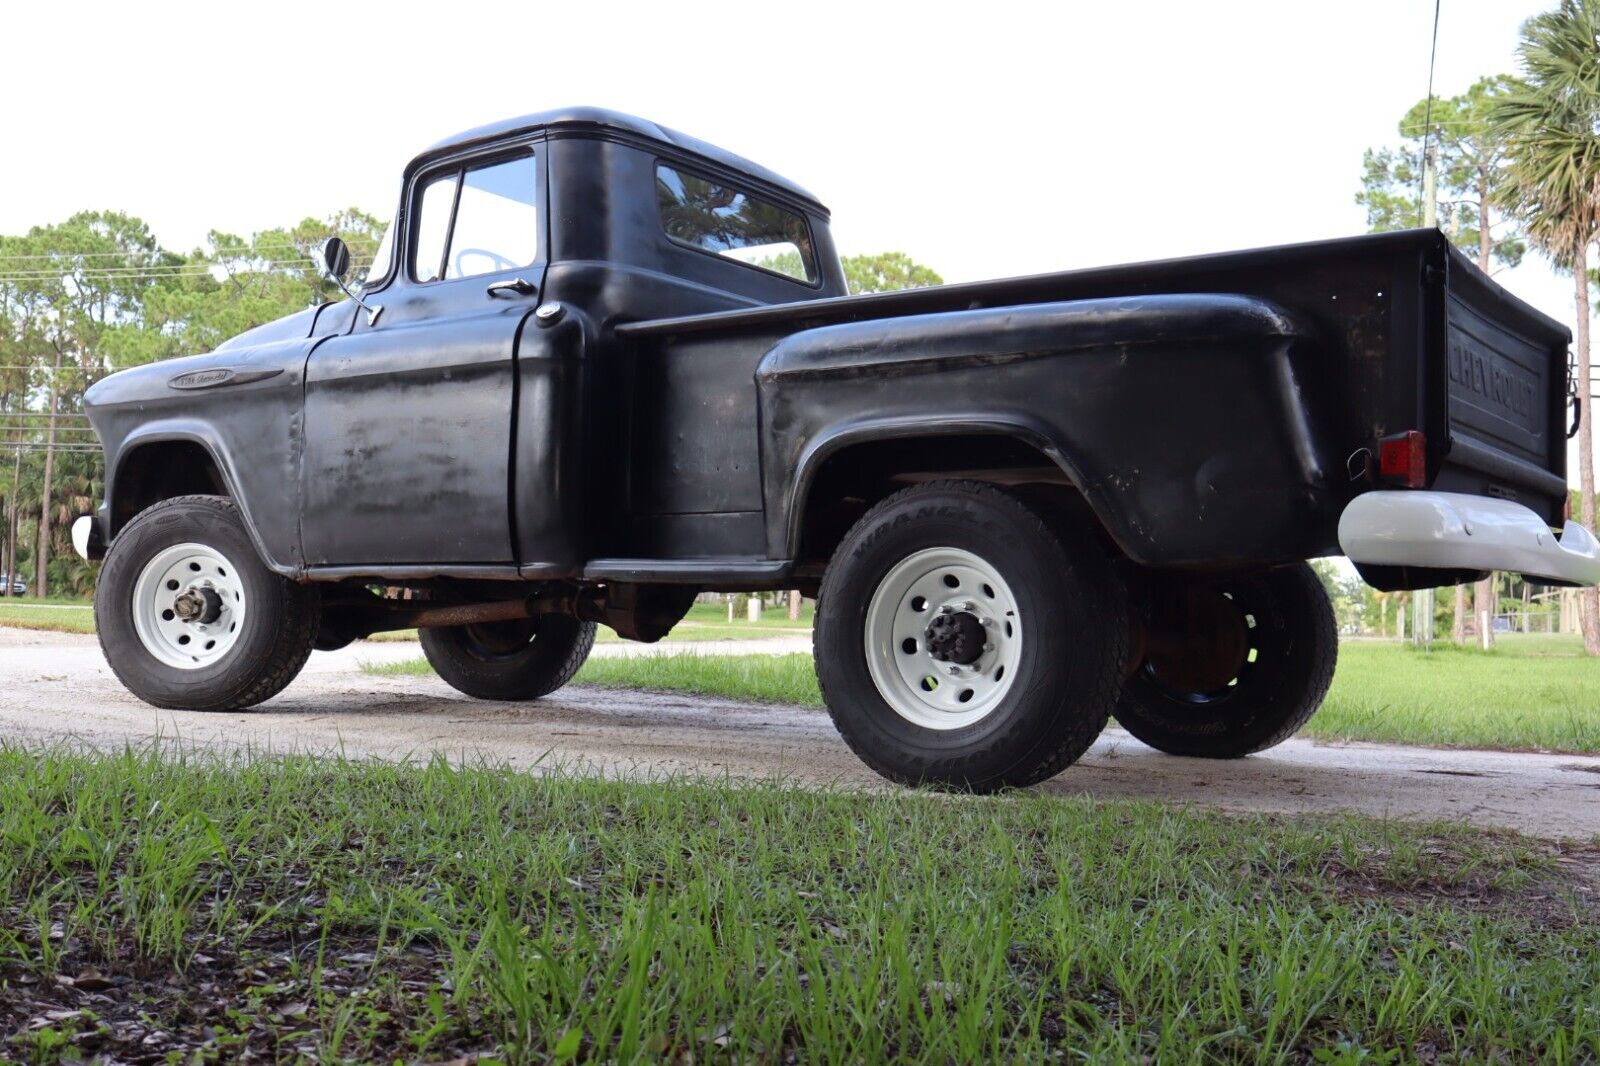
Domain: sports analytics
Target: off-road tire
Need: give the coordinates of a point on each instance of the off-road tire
(1296, 646)
(1073, 649)
(279, 627)
(509, 660)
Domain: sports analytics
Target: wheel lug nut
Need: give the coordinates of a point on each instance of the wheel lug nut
(947, 609)
(988, 647)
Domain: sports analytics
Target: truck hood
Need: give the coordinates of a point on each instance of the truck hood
(289, 327)
(252, 355)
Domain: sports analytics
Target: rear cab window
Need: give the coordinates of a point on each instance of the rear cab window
(713, 217)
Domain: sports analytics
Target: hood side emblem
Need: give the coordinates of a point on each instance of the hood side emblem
(220, 375)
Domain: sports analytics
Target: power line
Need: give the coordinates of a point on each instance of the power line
(232, 275)
(66, 369)
(289, 245)
(76, 431)
(252, 266)
(1427, 114)
(69, 449)
(154, 271)
(187, 264)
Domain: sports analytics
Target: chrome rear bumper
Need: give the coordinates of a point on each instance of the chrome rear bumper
(1454, 531)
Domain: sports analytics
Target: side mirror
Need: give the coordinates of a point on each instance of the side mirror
(336, 264)
(336, 258)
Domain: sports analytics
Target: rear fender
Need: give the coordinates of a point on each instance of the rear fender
(1187, 421)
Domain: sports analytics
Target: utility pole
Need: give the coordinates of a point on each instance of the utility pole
(1422, 599)
(41, 550)
(16, 528)
(1430, 187)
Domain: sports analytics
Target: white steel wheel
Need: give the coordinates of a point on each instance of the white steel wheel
(189, 605)
(943, 638)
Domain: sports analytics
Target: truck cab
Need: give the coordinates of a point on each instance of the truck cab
(598, 366)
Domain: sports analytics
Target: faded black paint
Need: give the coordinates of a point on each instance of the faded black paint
(670, 425)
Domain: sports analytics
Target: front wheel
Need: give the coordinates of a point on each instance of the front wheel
(1232, 665)
(963, 641)
(190, 618)
(518, 660)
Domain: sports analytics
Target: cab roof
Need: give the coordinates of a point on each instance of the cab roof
(601, 119)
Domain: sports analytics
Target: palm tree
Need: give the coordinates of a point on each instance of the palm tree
(1552, 125)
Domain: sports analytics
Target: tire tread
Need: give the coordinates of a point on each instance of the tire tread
(1283, 712)
(300, 611)
(513, 680)
(1065, 741)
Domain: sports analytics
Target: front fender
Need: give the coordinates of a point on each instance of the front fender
(280, 556)
(1187, 421)
(250, 421)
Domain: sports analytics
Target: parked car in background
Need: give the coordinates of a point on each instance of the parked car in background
(12, 586)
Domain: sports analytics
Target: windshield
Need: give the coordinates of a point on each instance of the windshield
(378, 269)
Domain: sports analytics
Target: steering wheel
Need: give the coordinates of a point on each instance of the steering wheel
(500, 262)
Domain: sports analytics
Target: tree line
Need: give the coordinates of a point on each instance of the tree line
(1516, 164)
(98, 293)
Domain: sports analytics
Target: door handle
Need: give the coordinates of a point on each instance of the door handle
(516, 286)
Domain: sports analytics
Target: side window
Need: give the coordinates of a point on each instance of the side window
(728, 222)
(497, 220)
(433, 227)
(479, 221)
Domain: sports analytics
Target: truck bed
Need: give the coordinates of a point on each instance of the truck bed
(1410, 335)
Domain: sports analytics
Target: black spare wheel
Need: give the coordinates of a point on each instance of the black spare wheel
(1231, 665)
(517, 660)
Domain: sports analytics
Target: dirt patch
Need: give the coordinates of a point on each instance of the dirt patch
(257, 1001)
(1564, 892)
(257, 1004)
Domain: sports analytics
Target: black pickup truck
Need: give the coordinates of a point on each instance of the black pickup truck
(599, 366)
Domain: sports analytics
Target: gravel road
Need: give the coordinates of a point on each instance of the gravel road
(57, 688)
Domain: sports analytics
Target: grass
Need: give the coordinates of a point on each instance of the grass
(57, 618)
(299, 909)
(761, 678)
(1530, 693)
(704, 622)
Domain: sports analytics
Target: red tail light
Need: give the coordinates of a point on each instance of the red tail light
(1403, 458)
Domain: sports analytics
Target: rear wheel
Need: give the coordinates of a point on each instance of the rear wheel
(518, 660)
(1231, 665)
(962, 641)
(190, 618)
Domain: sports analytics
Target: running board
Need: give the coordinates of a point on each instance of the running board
(714, 570)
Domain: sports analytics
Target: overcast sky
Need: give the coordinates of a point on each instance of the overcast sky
(984, 139)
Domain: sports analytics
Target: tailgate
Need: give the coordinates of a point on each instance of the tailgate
(1505, 393)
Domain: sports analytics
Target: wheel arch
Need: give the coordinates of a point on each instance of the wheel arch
(163, 462)
(874, 459)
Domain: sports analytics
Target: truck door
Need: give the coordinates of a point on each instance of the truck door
(408, 417)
